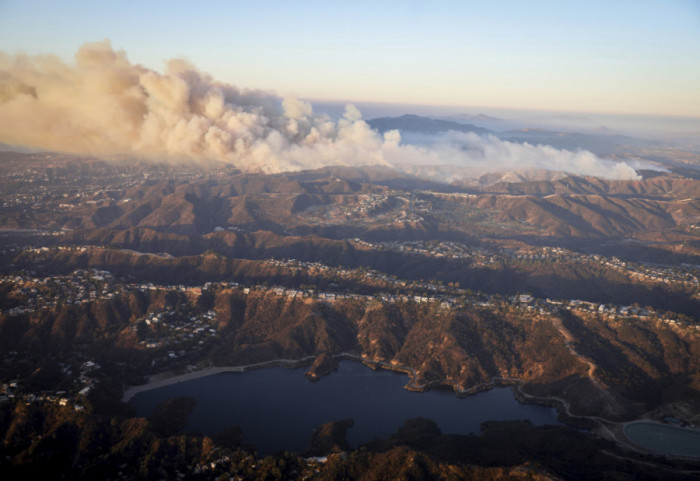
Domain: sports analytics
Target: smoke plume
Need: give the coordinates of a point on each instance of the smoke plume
(105, 105)
(456, 152)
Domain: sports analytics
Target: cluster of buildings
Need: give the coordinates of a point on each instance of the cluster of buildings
(169, 328)
(390, 206)
(40, 293)
(685, 275)
(90, 285)
(84, 383)
(450, 297)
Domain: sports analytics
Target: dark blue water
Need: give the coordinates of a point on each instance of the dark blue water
(278, 408)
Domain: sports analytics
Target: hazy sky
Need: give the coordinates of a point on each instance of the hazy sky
(640, 57)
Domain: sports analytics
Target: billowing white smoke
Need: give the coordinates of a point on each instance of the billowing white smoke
(485, 154)
(107, 106)
(104, 105)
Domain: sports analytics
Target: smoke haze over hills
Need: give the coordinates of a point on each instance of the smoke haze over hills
(104, 105)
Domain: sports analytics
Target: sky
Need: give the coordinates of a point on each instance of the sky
(627, 57)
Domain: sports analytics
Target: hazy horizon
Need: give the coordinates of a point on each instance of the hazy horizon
(611, 57)
(648, 124)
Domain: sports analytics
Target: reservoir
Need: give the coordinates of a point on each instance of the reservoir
(278, 408)
(665, 439)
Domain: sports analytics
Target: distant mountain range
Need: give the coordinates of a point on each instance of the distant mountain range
(424, 125)
(604, 143)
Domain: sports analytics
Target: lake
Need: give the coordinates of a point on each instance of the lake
(278, 408)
